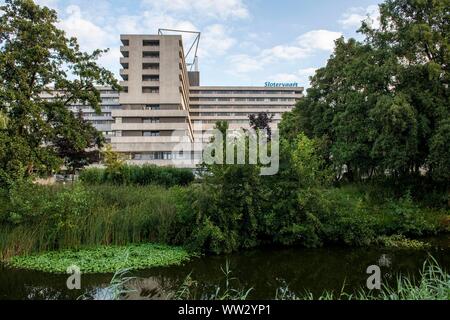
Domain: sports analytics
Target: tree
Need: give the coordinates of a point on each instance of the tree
(261, 121)
(37, 58)
(81, 147)
(112, 159)
(3, 121)
(230, 199)
(383, 103)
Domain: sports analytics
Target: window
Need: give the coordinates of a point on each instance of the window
(150, 66)
(126, 54)
(150, 43)
(167, 155)
(147, 77)
(150, 54)
(151, 133)
(152, 107)
(150, 120)
(125, 89)
(150, 89)
(125, 42)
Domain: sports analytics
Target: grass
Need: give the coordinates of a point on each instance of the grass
(57, 218)
(432, 284)
(103, 259)
(36, 219)
(139, 175)
(190, 289)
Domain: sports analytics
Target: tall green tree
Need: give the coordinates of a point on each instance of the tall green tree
(383, 103)
(38, 59)
(81, 146)
(261, 121)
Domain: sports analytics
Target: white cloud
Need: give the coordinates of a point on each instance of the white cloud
(318, 40)
(285, 52)
(285, 77)
(89, 35)
(354, 17)
(307, 72)
(215, 41)
(304, 46)
(242, 63)
(149, 22)
(301, 76)
(53, 4)
(219, 9)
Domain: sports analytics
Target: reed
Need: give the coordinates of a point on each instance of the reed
(76, 217)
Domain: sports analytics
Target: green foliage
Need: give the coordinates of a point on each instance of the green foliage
(138, 175)
(383, 103)
(223, 291)
(103, 259)
(308, 162)
(35, 55)
(37, 218)
(433, 284)
(114, 164)
(400, 241)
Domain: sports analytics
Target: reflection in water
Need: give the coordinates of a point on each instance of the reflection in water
(265, 271)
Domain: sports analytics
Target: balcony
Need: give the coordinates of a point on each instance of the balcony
(150, 60)
(149, 113)
(150, 43)
(153, 72)
(149, 126)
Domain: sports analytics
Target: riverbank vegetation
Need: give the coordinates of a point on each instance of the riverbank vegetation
(363, 156)
(138, 175)
(433, 283)
(36, 219)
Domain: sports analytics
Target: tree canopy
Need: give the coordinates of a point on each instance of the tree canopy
(37, 59)
(383, 103)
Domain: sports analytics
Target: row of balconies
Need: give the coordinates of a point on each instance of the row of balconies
(149, 126)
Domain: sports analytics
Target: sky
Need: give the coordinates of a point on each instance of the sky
(243, 42)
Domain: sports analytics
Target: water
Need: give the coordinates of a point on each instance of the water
(264, 270)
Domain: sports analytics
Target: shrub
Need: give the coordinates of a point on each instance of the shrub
(38, 218)
(139, 175)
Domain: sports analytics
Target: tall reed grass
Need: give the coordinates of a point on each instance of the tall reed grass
(73, 217)
(433, 283)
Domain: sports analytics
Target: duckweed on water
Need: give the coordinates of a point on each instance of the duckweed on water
(104, 259)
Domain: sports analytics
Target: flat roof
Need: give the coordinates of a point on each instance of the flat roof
(246, 88)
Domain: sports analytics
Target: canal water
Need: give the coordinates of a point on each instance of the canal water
(264, 270)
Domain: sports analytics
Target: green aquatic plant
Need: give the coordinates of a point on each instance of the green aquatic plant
(103, 259)
(401, 242)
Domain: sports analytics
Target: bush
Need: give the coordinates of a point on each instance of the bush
(36, 218)
(138, 175)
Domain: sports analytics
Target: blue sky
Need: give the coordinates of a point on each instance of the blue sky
(244, 42)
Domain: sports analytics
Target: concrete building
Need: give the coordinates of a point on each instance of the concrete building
(163, 104)
(104, 120)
